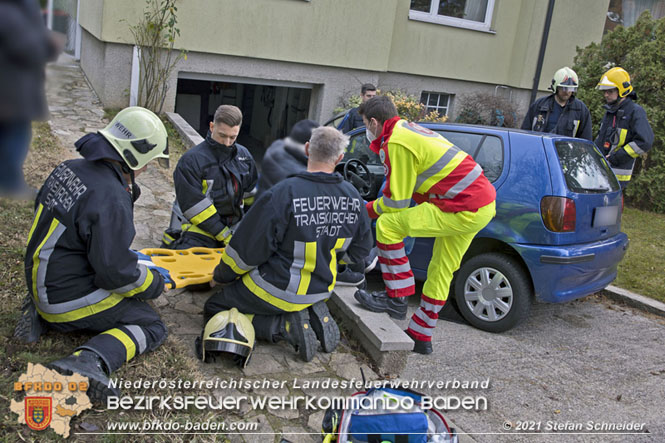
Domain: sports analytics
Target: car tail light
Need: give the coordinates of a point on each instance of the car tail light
(622, 202)
(558, 213)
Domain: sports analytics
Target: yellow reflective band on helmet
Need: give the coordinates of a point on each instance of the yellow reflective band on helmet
(34, 222)
(265, 296)
(333, 261)
(146, 284)
(86, 311)
(126, 341)
(35, 258)
(204, 215)
(308, 268)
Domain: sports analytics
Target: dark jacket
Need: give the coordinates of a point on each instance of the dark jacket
(211, 182)
(25, 47)
(281, 160)
(351, 121)
(574, 120)
(288, 245)
(78, 260)
(624, 135)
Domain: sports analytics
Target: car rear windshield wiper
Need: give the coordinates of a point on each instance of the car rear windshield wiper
(597, 189)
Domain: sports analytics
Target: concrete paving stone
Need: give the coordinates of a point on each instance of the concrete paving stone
(297, 434)
(315, 420)
(189, 307)
(284, 413)
(262, 364)
(160, 301)
(346, 366)
(263, 434)
(294, 362)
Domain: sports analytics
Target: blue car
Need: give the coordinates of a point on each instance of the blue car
(557, 232)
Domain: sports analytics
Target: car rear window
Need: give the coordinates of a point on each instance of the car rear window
(584, 167)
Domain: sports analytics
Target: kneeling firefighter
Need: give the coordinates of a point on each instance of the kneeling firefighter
(80, 271)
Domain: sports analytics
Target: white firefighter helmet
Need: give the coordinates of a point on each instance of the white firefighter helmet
(139, 136)
(230, 332)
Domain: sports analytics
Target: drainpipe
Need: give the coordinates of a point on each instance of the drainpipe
(541, 54)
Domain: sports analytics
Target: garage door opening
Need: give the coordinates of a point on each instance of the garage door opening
(269, 111)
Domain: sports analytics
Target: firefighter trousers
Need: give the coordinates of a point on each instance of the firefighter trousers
(130, 328)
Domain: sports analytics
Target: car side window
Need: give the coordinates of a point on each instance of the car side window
(486, 150)
(358, 148)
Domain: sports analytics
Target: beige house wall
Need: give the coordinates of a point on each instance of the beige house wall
(335, 46)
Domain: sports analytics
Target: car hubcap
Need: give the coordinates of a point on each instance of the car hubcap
(488, 294)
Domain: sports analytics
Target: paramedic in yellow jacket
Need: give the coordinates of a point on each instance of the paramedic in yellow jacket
(454, 202)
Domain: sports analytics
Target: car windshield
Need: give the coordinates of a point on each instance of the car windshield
(584, 167)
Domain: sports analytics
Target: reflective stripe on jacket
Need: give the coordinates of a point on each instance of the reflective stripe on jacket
(421, 164)
(624, 135)
(78, 260)
(211, 183)
(288, 245)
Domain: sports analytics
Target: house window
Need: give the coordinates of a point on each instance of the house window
(626, 12)
(470, 14)
(435, 101)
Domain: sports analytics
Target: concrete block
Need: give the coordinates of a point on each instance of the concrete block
(190, 136)
(384, 341)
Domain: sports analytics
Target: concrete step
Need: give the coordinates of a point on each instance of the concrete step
(384, 341)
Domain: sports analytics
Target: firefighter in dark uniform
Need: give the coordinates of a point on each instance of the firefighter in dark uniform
(560, 112)
(281, 264)
(79, 268)
(624, 133)
(213, 183)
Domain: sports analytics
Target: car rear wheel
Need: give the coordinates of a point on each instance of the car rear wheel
(493, 292)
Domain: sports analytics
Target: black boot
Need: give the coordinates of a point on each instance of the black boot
(380, 302)
(421, 347)
(324, 326)
(297, 330)
(88, 364)
(29, 327)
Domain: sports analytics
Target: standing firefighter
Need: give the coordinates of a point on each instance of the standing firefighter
(454, 202)
(80, 270)
(625, 133)
(560, 112)
(281, 264)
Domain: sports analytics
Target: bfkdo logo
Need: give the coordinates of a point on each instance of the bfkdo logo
(38, 412)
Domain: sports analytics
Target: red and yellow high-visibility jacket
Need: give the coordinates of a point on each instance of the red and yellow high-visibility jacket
(421, 164)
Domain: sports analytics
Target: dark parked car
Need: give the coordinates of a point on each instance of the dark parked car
(557, 232)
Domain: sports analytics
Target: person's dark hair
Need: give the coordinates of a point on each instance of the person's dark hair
(302, 131)
(379, 107)
(367, 87)
(229, 115)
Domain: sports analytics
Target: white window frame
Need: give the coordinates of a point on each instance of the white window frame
(438, 107)
(433, 17)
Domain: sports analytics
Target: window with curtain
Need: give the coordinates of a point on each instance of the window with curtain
(626, 12)
(471, 14)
